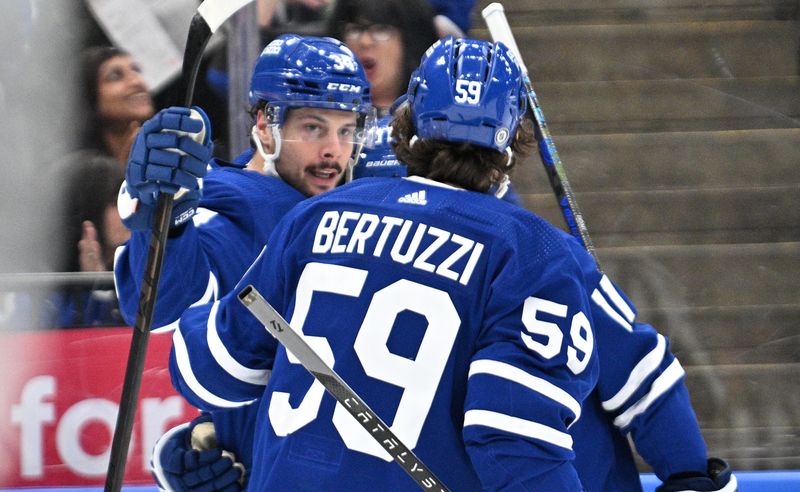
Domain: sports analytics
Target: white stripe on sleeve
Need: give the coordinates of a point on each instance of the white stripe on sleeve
(537, 384)
(185, 368)
(203, 216)
(598, 299)
(643, 369)
(660, 386)
(516, 425)
(117, 253)
(211, 294)
(616, 298)
(225, 359)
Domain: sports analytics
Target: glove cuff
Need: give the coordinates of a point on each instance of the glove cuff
(155, 463)
(721, 473)
(718, 478)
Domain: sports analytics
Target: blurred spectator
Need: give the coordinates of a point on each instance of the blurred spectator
(91, 232)
(300, 16)
(388, 37)
(116, 99)
(274, 17)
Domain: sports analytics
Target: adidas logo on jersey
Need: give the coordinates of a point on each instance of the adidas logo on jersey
(416, 198)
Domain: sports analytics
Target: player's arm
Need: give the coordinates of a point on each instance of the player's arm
(641, 384)
(641, 380)
(187, 458)
(534, 366)
(170, 155)
(221, 355)
(187, 275)
(204, 257)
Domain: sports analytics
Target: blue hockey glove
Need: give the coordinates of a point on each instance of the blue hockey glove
(138, 216)
(178, 466)
(719, 477)
(170, 155)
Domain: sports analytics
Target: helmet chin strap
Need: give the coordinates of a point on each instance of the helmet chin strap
(269, 159)
(352, 161)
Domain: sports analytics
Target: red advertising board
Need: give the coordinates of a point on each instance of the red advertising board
(59, 397)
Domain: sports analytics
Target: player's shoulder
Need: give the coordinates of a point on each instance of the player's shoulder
(582, 256)
(514, 233)
(364, 192)
(511, 223)
(429, 201)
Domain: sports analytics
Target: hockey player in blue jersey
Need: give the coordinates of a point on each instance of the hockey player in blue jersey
(459, 318)
(663, 426)
(175, 462)
(597, 470)
(664, 429)
(310, 100)
(378, 159)
(640, 389)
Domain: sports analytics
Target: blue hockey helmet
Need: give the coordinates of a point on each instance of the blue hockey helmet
(467, 90)
(297, 71)
(377, 156)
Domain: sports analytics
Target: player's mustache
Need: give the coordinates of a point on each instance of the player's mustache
(326, 165)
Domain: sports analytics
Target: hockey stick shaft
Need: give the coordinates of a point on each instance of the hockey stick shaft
(210, 15)
(497, 23)
(338, 388)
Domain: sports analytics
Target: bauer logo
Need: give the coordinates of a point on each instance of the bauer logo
(383, 163)
(336, 86)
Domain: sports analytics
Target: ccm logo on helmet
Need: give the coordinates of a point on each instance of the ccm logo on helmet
(336, 86)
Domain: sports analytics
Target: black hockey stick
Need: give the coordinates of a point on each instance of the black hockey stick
(209, 16)
(495, 18)
(339, 389)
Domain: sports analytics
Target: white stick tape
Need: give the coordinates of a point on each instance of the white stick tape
(215, 12)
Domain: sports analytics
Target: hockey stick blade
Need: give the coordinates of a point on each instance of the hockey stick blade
(338, 388)
(210, 15)
(497, 23)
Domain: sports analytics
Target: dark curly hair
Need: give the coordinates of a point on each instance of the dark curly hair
(462, 164)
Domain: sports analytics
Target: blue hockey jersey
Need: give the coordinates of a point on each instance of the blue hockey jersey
(639, 391)
(635, 363)
(207, 256)
(462, 320)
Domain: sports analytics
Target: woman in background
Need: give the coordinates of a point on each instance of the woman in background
(117, 100)
(388, 38)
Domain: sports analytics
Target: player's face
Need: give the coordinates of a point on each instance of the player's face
(379, 48)
(122, 95)
(315, 147)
